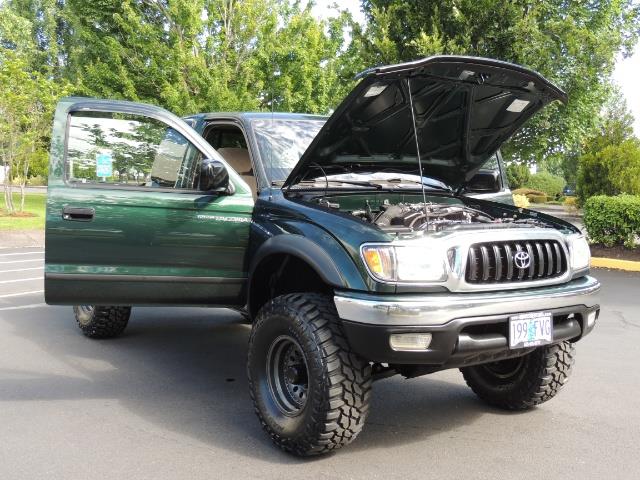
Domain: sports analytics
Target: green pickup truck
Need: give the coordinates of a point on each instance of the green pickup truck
(375, 242)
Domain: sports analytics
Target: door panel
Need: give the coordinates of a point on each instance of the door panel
(152, 238)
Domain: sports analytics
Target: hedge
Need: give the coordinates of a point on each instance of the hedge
(533, 196)
(527, 191)
(547, 183)
(613, 220)
(537, 198)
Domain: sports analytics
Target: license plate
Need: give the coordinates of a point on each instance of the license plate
(530, 329)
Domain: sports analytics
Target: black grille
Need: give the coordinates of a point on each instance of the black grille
(495, 262)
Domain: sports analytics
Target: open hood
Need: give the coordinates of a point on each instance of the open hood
(465, 108)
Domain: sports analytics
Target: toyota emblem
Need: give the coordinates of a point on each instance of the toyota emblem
(522, 259)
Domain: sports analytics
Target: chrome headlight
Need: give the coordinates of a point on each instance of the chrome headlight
(579, 252)
(403, 263)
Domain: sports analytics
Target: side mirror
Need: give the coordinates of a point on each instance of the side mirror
(213, 175)
(487, 181)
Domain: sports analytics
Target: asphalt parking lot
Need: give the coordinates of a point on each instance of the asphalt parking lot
(169, 400)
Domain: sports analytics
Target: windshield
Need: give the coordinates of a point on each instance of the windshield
(393, 179)
(282, 142)
(387, 177)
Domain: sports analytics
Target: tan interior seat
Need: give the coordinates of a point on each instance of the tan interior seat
(239, 160)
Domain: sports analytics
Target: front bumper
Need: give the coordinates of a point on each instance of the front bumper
(466, 328)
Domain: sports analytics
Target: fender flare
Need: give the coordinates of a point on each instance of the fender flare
(312, 254)
(304, 249)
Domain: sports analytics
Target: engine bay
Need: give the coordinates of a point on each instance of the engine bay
(431, 216)
(423, 216)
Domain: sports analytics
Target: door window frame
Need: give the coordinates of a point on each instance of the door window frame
(142, 110)
(258, 173)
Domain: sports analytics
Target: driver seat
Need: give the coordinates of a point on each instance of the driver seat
(239, 160)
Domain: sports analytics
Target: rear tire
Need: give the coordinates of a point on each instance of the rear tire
(100, 321)
(524, 382)
(310, 392)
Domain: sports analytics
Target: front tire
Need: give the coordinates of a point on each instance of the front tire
(101, 322)
(524, 382)
(310, 392)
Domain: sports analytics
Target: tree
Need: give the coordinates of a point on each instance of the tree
(610, 163)
(517, 175)
(613, 170)
(27, 99)
(205, 55)
(574, 44)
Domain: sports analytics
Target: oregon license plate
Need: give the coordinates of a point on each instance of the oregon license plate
(530, 329)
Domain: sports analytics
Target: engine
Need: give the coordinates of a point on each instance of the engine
(421, 216)
(411, 217)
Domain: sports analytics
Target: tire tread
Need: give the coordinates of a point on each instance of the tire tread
(548, 371)
(339, 418)
(107, 322)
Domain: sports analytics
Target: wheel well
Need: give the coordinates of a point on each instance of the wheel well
(280, 274)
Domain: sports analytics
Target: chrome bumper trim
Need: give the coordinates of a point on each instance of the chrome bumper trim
(441, 308)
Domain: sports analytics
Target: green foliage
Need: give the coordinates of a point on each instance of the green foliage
(613, 170)
(615, 124)
(27, 100)
(537, 198)
(533, 195)
(187, 56)
(215, 55)
(610, 163)
(546, 182)
(37, 181)
(518, 174)
(574, 44)
(527, 191)
(613, 220)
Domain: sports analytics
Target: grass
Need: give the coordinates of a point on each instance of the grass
(34, 208)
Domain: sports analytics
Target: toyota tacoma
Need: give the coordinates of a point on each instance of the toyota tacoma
(379, 241)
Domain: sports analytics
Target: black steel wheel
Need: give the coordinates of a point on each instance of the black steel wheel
(287, 374)
(310, 392)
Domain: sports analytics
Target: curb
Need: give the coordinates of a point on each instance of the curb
(627, 265)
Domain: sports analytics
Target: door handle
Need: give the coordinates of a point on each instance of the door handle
(78, 214)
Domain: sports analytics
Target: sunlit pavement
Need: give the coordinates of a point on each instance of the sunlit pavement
(169, 400)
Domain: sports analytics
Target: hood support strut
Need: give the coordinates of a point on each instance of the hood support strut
(415, 135)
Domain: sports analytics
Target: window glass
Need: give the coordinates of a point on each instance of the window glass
(491, 163)
(282, 143)
(226, 137)
(127, 149)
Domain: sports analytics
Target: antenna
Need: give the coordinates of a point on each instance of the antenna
(270, 176)
(415, 136)
(275, 72)
(271, 147)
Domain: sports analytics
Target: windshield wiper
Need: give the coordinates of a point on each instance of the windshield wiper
(428, 185)
(377, 186)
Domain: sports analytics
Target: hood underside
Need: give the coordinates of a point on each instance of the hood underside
(464, 108)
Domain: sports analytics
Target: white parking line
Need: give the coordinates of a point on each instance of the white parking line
(21, 269)
(21, 307)
(32, 292)
(22, 280)
(22, 261)
(21, 253)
